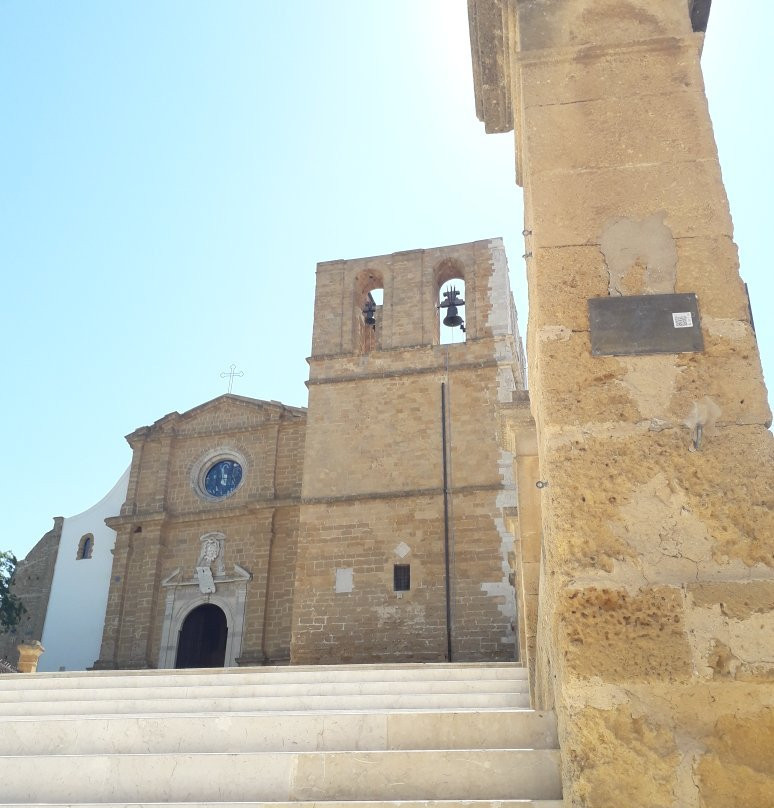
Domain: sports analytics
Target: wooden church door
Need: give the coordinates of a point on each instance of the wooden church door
(202, 639)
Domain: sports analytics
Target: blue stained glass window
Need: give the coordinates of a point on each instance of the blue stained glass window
(223, 478)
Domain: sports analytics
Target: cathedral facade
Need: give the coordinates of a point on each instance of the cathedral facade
(379, 524)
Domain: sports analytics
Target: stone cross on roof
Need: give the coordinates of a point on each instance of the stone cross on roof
(232, 371)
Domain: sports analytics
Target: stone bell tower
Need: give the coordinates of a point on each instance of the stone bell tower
(404, 553)
(656, 606)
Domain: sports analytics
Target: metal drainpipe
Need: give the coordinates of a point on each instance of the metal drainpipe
(446, 525)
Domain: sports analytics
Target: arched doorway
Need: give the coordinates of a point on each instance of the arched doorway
(202, 639)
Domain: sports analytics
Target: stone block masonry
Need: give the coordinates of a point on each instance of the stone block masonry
(32, 585)
(373, 491)
(400, 461)
(167, 513)
(654, 624)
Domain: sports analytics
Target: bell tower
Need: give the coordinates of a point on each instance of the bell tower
(404, 553)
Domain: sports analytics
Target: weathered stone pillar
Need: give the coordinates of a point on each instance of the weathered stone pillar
(656, 613)
(140, 609)
(519, 427)
(29, 654)
(117, 594)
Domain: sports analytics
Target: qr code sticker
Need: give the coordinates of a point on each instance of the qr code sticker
(682, 319)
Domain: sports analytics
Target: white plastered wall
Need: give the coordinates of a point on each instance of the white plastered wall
(72, 632)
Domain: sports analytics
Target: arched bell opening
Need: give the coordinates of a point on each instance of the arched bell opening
(202, 639)
(451, 327)
(369, 308)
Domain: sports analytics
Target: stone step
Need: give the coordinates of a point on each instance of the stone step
(259, 688)
(315, 804)
(278, 732)
(399, 701)
(94, 680)
(491, 774)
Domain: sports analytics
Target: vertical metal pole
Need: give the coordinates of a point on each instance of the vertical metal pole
(446, 525)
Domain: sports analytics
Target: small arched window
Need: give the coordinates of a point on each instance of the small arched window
(85, 547)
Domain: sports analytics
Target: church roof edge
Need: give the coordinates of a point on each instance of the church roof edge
(174, 416)
(441, 249)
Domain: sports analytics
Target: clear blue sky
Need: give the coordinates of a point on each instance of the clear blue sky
(171, 172)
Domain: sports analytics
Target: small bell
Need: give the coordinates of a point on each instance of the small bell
(368, 312)
(451, 303)
(452, 319)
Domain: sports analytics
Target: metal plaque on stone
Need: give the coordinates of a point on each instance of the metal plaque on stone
(645, 324)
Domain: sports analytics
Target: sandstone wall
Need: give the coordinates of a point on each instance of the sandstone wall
(166, 514)
(373, 488)
(655, 624)
(525, 522)
(32, 585)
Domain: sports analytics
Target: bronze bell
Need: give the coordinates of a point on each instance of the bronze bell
(451, 303)
(452, 319)
(368, 312)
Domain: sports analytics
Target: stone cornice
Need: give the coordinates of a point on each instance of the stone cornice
(414, 492)
(172, 432)
(490, 52)
(440, 352)
(492, 49)
(147, 517)
(166, 426)
(388, 374)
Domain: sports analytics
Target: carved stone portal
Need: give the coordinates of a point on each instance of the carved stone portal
(209, 583)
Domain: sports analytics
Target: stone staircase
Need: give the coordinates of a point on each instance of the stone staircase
(347, 736)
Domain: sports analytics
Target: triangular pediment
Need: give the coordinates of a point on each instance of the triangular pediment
(226, 412)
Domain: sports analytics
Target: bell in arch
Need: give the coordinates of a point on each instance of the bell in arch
(369, 310)
(451, 304)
